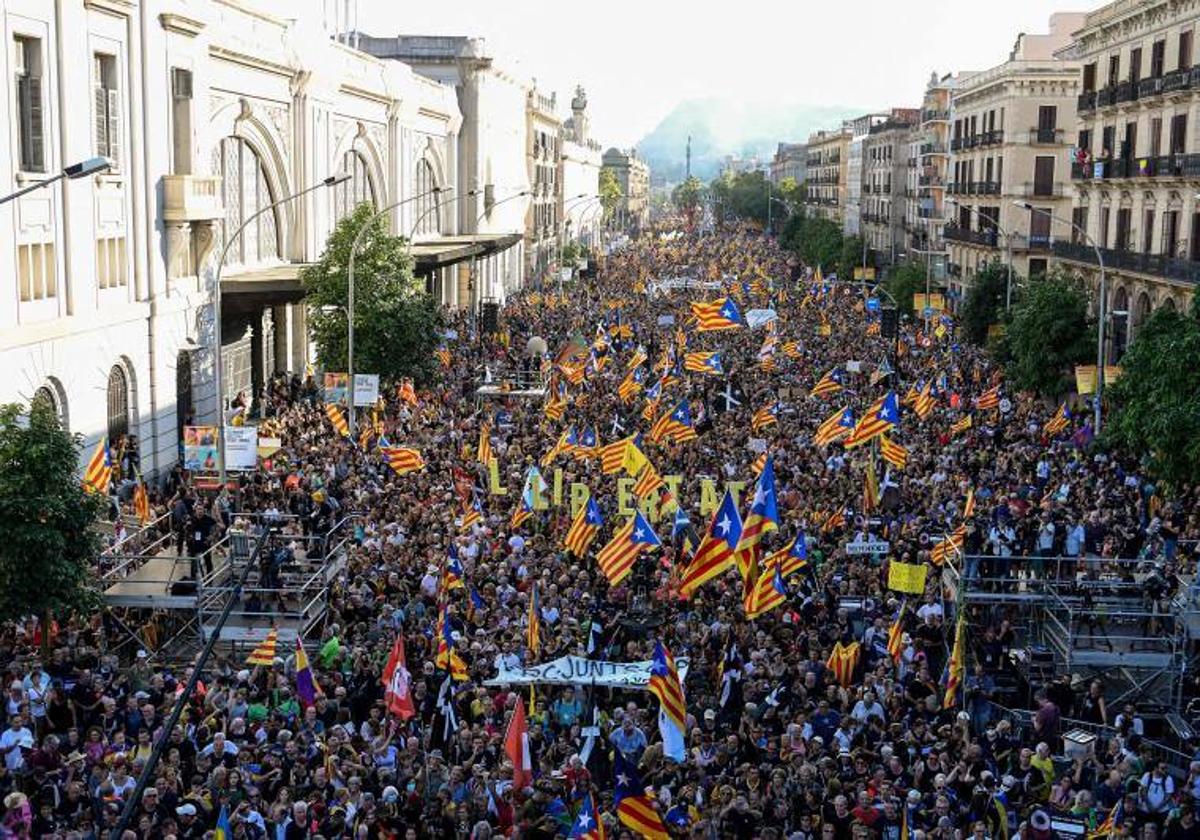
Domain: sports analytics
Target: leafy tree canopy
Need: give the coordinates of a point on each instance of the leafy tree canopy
(1048, 333)
(397, 325)
(1155, 405)
(688, 195)
(904, 281)
(984, 303)
(50, 544)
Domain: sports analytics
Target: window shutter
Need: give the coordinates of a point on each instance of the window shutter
(114, 127)
(37, 150)
(100, 104)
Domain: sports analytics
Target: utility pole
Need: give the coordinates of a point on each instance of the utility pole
(688, 168)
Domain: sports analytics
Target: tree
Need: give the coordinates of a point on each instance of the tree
(50, 543)
(985, 300)
(851, 257)
(742, 196)
(1155, 405)
(1047, 334)
(397, 325)
(610, 191)
(791, 193)
(818, 241)
(687, 196)
(904, 281)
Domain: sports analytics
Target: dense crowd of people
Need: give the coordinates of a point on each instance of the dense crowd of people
(779, 742)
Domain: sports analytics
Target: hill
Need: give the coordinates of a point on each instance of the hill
(721, 127)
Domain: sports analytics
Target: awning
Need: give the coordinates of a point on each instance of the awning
(270, 286)
(442, 251)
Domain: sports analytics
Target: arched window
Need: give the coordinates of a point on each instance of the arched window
(1120, 322)
(358, 190)
(118, 405)
(1168, 305)
(427, 215)
(245, 190)
(48, 398)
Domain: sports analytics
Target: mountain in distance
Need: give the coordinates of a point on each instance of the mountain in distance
(721, 127)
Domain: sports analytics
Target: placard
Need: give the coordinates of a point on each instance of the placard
(200, 448)
(366, 388)
(868, 547)
(1085, 377)
(578, 670)
(241, 447)
(756, 318)
(907, 577)
(337, 387)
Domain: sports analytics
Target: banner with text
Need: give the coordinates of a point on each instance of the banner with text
(576, 670)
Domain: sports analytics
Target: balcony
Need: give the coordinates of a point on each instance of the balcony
(1126, 92)
(1045, 136)
(935, 115)
(929, 181)
(192, 198)
(1150, 87)
(1179, 166)
(1035, 190)
(985, 188)
(1154, 265)
(933, 149)
(1106, 97)
(1039, 242)
(1176, 80)
(990, 138)
(985, 238)
(956, 144)
(1086, 101)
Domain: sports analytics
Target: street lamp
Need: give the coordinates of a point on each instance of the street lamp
(350, 296)
(1007, 250)
(218, 362)
(592, 217)
(562, 225)
(1102, 305)
(475, 240)
(91, 166)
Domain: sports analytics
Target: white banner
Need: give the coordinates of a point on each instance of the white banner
(241, 447)
(755, 318)
(576, 670)
(669, 284)
(366, 388)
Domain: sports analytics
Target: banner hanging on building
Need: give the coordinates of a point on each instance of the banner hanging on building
(241, 447)
(200, 448)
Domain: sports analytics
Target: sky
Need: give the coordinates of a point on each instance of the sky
(639, 58)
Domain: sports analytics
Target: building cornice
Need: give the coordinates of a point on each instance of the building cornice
(252, 61)
(181, 24)
(363, 93)
(121, 8)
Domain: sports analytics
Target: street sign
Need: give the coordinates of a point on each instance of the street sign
(868, 547)
(872, 304)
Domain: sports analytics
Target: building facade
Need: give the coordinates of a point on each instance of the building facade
(1009, 144)
(490, 156)
(884, 181)
(632, 211)
(926, 241)
(213, 115)
(790, 161)
(543, 157)
(581, 158)
(828, 159)
(1137, 171)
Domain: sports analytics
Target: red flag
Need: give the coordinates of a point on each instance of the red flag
(516, 747)
(397, 694)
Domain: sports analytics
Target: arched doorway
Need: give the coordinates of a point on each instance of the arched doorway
(1141, 313)
(48, 397)
(1168, 305)
(118, 406)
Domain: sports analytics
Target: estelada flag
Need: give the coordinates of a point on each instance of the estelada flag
(397, 689)
(516, 747)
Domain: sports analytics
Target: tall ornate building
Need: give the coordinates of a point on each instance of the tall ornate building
(633, 176)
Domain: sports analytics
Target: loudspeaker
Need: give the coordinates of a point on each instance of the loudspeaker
(888, 322)
(489, 315)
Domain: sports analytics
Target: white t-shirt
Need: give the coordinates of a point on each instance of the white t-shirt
(14, 760)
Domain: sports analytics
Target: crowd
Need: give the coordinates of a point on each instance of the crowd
(779, 742)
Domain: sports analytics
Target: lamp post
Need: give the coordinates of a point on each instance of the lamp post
(218, 360)
(593, 217)
(1007, 251)
(475, 240)
(350, 293)
(562, 225)
(1103, 304)
(82, 169)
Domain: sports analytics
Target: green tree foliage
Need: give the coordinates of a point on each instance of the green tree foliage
(50, 544)
(1047, 335)
(791, 193)
(397, 325)
(904, 281)
(609, 191)
(741, 196)
(851, 257)
(817, 241)
(1155, 405)
(984, 303)
(688, 195)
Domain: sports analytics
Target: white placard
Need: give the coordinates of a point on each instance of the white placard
(241, 447)
(757, 444)
(578, 670)
(366, 388)
(854, 366)
(868, 547)
(756, 318)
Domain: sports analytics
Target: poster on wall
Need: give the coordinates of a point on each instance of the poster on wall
(337, 387)
(366, 388)
(241, 447)
(200, 448)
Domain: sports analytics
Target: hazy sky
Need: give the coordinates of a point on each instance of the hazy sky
(638, 59)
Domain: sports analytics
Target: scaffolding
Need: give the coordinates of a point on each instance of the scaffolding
(167, 603)
(1106, 619)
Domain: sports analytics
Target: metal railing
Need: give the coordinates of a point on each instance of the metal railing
(1155, 265)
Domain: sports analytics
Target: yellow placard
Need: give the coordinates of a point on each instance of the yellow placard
(495, 488)
(995, 330)
(936, 302)
(1085, 377)
(907, 577)
(861, 273)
